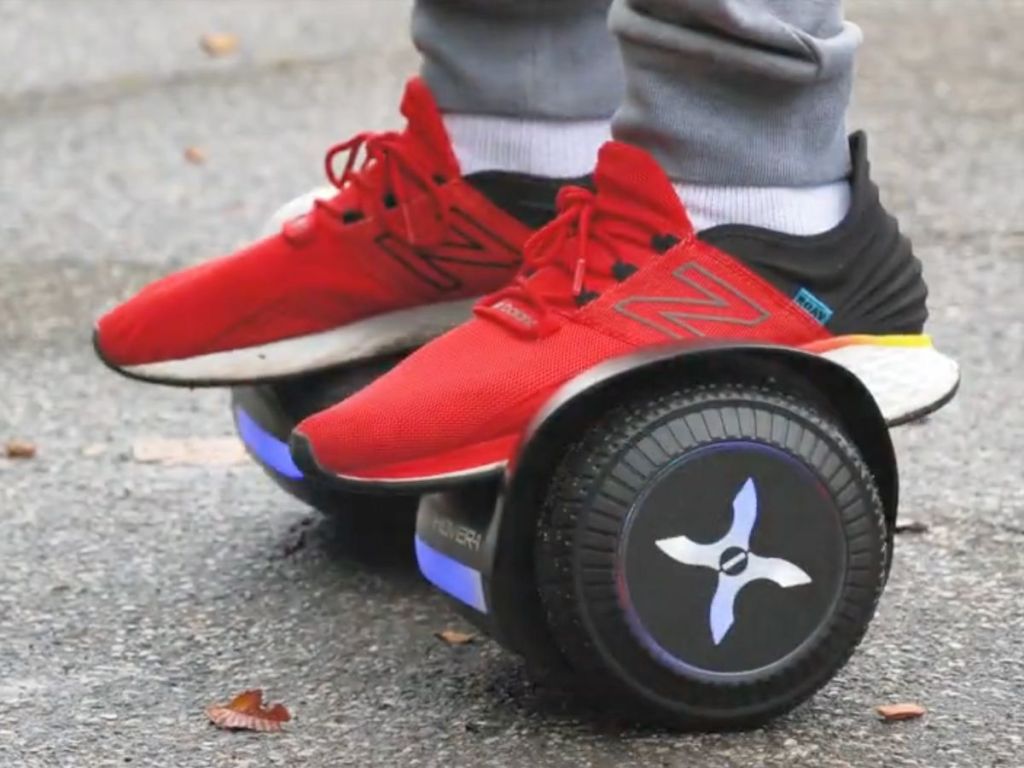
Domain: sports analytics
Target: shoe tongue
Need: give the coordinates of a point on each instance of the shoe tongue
(627, 179)
(426, 127)
(629, 176)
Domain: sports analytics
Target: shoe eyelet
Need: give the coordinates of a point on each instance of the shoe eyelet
(351, 217)
(663, 243)
(585, 297)
(622, 270)
(440, 178)
(389, 200)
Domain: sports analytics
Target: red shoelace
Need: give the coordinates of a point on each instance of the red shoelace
(602, 231)
(388, 176)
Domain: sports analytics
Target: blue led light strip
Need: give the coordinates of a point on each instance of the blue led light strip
(450, 576)
(269, 449)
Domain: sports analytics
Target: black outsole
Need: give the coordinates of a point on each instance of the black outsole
(925, 412)
(305, 459)
(191, 383)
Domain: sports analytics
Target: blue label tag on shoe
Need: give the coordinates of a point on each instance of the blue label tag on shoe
(813, 306)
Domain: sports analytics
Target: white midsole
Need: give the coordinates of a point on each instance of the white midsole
(396, 331)
(904, 380)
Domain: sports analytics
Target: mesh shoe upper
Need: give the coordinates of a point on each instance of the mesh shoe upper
(403, 230)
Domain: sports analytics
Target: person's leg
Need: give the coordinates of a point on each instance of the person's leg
(743, 103)
(525, 85)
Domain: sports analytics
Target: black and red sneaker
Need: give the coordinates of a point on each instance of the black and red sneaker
(396, 254)
(621, 269)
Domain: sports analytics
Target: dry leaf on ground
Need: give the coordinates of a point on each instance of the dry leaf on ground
(893, 712)
(454, 637)
(19, 449)
(195, 155)
(246, 712)
(190, 451)
(911, 527)
(218, 43)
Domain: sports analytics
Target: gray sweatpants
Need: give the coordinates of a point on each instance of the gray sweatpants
(729, 92)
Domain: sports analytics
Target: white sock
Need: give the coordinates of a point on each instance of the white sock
(794, 210)
(553, 148)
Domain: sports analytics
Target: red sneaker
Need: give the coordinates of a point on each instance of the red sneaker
(619, 270)
(394, 258)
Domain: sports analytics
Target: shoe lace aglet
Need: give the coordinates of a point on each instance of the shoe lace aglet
(577, 276)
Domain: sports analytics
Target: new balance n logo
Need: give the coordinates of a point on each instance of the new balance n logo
(467, 244)
(705, 301)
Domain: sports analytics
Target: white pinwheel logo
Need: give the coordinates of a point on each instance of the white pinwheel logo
(737, 566)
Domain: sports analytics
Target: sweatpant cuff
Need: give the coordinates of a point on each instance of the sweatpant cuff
(538, 59)
(737, 118)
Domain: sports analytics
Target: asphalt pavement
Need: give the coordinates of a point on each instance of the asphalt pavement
(133, 595)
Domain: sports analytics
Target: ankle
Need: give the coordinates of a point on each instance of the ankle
(793, 210)
(552, 148)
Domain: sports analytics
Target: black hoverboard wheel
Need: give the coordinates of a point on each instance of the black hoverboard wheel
(713, 554)
(704, 555)
(264, 418)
